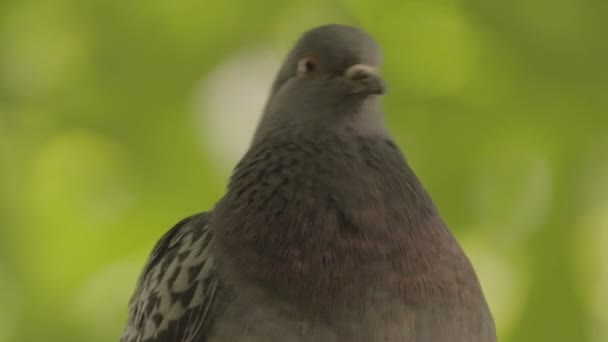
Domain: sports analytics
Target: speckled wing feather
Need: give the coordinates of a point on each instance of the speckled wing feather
(176, 291)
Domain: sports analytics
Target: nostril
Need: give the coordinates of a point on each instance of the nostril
(360, 72)
(359, 75)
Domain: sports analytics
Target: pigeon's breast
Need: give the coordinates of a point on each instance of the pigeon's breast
(260, 316)
(256, 315)
(312, 212)
(320, 241)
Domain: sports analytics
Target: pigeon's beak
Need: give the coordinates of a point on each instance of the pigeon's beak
(365, 79)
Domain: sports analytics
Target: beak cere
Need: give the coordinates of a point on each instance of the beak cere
(365, 79)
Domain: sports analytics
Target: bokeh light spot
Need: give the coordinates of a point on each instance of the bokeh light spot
(503, 279)
(592, 263)
(101, 305)
(518, 197)
(231, 101)
(590, 248)
(39, 49)
(76, 189)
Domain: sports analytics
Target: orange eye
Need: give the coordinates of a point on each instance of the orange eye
(307, 66)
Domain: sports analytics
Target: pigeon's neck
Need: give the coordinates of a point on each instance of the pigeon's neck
(366, 118)
(352, 167)
(362, 116)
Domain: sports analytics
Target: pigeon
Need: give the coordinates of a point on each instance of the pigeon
(324, 234)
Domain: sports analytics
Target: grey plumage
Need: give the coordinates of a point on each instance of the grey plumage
(325, 233)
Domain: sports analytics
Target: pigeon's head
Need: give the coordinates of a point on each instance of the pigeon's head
(330, 78)
(337, 61)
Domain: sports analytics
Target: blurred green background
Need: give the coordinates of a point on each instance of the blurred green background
(118, 118)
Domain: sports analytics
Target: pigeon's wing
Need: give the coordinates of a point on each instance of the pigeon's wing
(176, 291)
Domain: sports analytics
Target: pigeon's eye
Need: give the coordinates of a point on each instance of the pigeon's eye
(307, 66)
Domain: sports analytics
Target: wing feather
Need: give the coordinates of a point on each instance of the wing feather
(175, 294)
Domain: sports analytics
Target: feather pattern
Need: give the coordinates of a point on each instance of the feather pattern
(177, 288)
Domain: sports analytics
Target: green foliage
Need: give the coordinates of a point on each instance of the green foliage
(105, 143)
